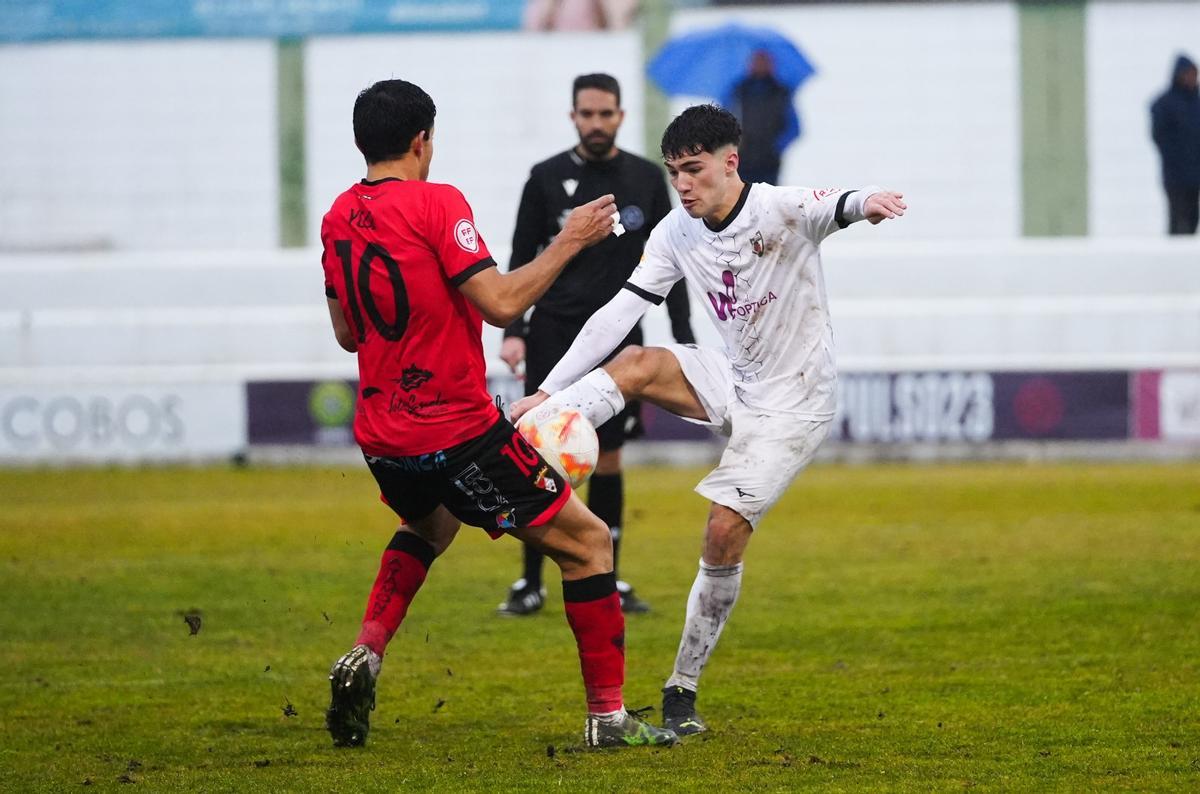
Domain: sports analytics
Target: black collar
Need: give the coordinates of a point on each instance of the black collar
(373, 183)
(733, 213)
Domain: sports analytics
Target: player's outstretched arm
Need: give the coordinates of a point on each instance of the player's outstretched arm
(503, 297)
(599, 336)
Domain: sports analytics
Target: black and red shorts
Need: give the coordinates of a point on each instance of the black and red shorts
(496, 481)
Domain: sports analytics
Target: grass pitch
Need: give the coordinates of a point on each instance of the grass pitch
(932, 628)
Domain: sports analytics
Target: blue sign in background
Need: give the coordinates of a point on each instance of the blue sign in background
(35, 20)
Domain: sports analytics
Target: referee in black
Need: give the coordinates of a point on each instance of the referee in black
(590, 169)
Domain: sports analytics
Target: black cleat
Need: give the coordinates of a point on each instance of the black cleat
(630, 603)
(679, 711)
(522, 600)
(353, 698)
(629, 730)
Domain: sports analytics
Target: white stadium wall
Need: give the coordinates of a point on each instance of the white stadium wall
(144, 144)
(138, 144)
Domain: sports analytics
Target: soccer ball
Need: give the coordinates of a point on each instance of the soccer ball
(565, 438)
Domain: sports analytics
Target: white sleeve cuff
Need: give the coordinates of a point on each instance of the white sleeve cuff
(853, 211)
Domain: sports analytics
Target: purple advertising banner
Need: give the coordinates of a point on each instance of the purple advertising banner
(300, 412)
(1062, 405)
(982, 406)
(908, 407)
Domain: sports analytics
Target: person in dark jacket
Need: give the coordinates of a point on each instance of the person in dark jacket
(761, 103)
(1175, 126)
(593, 167)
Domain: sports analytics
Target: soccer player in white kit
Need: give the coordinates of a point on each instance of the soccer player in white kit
(750, 253)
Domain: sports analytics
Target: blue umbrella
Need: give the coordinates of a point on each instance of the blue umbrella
(712, 62)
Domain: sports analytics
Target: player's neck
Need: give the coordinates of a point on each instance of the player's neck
(406, 168)
(732, 196)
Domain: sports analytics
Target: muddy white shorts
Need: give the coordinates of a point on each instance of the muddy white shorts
(765, 452)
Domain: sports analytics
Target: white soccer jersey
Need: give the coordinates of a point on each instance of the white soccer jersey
(759, 276)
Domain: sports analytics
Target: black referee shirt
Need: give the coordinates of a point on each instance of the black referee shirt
(558, 185)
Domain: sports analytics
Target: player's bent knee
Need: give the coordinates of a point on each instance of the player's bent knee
(726, 536)
(631, 369)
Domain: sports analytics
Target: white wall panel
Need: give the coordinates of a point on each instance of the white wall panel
(1131, 48)
(921, 98)
(147, 144)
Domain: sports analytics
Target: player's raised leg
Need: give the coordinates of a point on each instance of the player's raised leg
(402, 571)
(652, 374)
(580, 544)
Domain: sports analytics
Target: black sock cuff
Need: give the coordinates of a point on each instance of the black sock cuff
(593, 588)
(414, 547)
(606, 497)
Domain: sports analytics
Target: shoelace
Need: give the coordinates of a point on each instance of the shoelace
(638, 714)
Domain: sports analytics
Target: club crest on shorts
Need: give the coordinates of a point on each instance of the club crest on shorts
(507, 519)
(756, 244)
(544, 481)
(465, 236)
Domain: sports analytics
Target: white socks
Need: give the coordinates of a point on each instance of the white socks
(596, 396)
(713, 595)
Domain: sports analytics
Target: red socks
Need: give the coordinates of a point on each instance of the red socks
(401, 573)
(594, 612)
(592, 605)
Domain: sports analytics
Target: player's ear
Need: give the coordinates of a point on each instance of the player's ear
(731, 161)
(419, 142)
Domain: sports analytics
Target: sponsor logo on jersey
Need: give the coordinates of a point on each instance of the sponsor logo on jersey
(465, 236)
(632, 218)
(756, 244)
(413, 377)
(725, 303)
(722, 302)
(544, 481)
(569, 186)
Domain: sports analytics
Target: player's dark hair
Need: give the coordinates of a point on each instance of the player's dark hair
(700, 128)
(387, 116)
(604, 82)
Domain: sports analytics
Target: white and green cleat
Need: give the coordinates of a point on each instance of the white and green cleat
(626, 730)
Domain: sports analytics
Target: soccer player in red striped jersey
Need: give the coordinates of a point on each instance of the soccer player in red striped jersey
(409, 281)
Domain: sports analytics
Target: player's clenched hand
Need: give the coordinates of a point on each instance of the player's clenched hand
(884, 204)
(592, 222)
(526, 404)
(512, 351)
